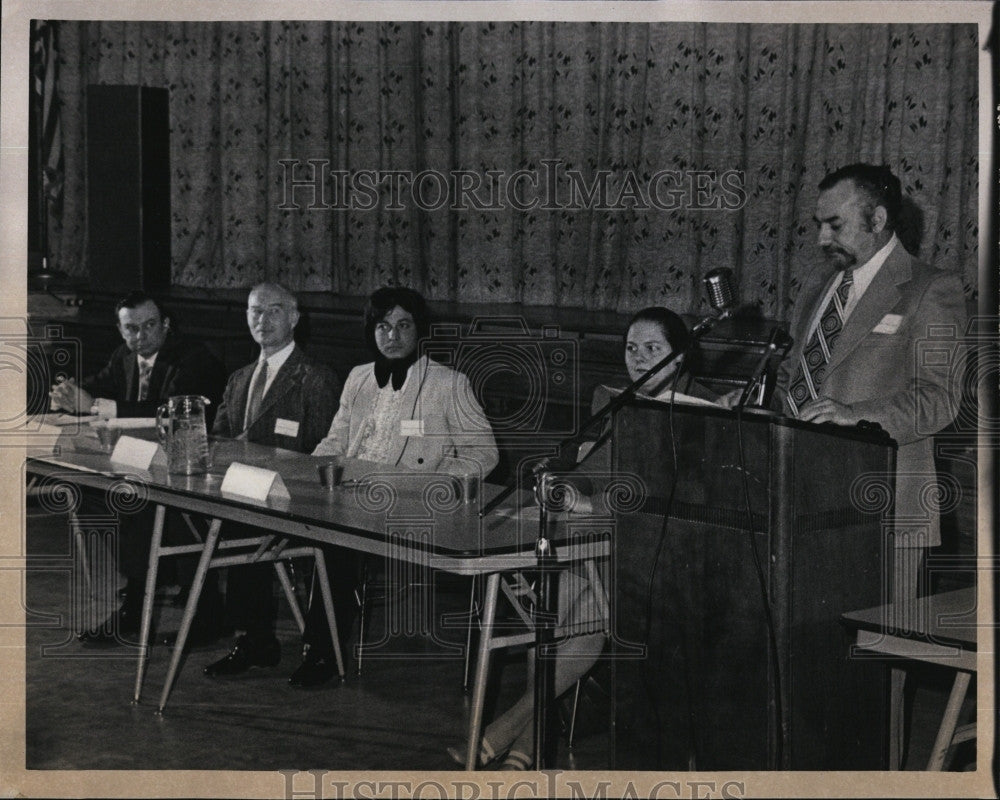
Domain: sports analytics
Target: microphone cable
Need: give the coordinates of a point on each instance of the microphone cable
(765, 599)
(648, 683)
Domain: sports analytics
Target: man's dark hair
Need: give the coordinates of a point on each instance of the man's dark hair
(384, 300)
(136, 299)
(877, 183)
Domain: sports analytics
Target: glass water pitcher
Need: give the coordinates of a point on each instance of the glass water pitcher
(180, 424)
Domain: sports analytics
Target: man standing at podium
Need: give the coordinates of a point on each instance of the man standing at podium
(857, 322)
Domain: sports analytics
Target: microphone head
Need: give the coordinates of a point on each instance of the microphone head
(719, 285)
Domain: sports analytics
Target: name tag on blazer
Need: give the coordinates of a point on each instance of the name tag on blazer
(411, 427)
(888, 324)
(286, 427)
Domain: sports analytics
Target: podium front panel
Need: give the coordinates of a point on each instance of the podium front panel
(707, 692)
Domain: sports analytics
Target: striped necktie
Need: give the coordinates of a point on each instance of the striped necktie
(145, 370)
(256, 395)
(811, 369)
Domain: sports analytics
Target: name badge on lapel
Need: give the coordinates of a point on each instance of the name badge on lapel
(888, 324)
(286, 427)
(411, 427)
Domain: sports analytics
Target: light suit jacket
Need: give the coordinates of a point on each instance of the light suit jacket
(894, 364)
(447, 430)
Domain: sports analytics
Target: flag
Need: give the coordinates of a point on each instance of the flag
(44, 67)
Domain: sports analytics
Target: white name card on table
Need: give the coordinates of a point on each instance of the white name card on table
(255, 483)
(128, 423)
(41, 437)
(138, 453)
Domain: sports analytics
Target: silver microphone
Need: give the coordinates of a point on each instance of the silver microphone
(721, 296)
(719, 285)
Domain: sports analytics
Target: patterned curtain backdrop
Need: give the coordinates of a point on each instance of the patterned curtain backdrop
(603, 166)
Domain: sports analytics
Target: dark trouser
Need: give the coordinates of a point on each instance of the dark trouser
(342, 567)
(251, 607)
(134, 538)
(250, 603)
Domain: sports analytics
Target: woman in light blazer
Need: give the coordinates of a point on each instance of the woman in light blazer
(404, 409)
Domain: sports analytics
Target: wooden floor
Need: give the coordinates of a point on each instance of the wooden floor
(400, 715)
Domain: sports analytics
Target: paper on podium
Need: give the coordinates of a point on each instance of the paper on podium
(668, 396)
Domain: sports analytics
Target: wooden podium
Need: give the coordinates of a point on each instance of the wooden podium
(706, 692)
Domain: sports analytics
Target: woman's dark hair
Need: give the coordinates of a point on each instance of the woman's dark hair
(384, 300)
(675, 330)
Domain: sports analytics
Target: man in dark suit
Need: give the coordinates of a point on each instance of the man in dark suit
(857, 324)
(152, 364)
(284, 399)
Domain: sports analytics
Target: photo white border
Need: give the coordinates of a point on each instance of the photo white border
(14, 73)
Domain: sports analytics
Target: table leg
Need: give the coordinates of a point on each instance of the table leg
(597, 586)
(897, 679)
(211, 539)
(324, 592)
(482, 671)
(289, 590)
(947, 730)
(147, 601)
(81, 551)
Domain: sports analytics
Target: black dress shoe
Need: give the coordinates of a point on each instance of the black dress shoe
(246, 653)
(317, 667)
(124, 623)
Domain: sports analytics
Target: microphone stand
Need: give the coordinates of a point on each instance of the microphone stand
(546, 555)
(779, 341)
(628, 393)
(544, 624)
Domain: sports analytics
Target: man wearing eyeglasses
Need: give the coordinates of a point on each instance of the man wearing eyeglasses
(152, 364)
(284, 399)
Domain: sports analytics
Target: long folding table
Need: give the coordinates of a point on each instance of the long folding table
(391, 513)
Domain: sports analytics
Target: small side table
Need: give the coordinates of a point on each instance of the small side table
(938, 629)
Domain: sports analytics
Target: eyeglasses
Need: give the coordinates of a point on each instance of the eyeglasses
(268, 312)
(148, 326)
(385, 328)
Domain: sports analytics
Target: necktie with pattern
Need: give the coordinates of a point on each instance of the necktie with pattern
(256, 395)
(145, 370)
(811, 369)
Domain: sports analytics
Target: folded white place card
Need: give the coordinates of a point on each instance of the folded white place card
(41, 438)
(127, 423)
(138, 453)
(255, 483)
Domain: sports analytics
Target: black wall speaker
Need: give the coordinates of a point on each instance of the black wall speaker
(128, 188)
